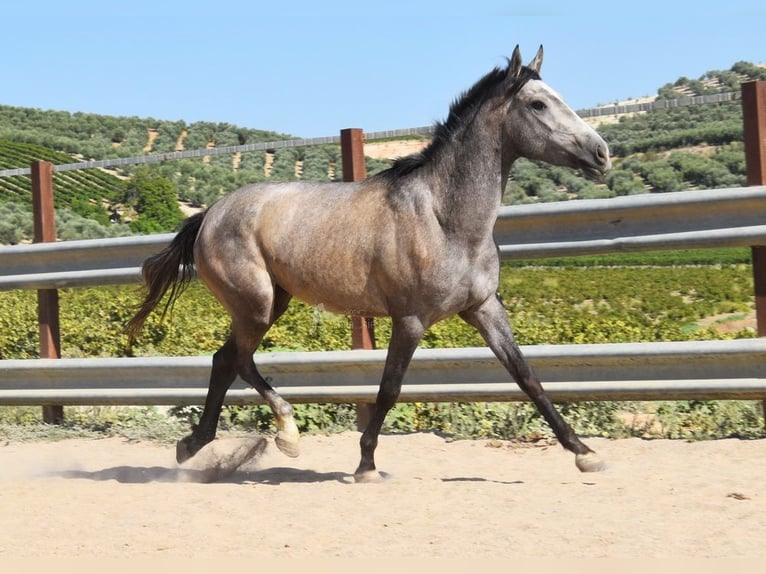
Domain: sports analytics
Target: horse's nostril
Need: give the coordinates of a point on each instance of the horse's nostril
(602, 154)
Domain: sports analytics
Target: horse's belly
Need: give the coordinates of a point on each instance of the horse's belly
(342, 294)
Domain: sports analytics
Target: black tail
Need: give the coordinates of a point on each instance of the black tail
(169, 270)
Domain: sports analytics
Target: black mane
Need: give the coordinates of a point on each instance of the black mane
(461, 111)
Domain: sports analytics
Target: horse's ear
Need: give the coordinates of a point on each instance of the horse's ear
(514, 66)
(535, 64)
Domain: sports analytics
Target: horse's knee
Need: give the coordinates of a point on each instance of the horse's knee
(387, 397)
(224, 368)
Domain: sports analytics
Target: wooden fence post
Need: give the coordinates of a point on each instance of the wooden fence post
(44, 216)
(754, 118)
(362, 328)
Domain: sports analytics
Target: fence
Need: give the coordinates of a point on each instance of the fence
(636, 371)
(732, 217)
(732, 369)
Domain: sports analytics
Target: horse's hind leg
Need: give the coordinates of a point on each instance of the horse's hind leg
(222, 375)
(236, 358)
(248, 333)
(287, 431)
(492, 322)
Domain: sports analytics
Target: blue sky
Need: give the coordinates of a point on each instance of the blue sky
(311, 68)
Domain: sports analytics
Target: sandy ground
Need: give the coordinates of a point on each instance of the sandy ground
(114, 499)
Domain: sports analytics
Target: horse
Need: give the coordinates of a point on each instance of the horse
(413, 243)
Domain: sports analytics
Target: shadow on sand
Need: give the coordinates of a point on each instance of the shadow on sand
(147, 474)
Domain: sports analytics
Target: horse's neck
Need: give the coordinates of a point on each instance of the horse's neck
(468, 182)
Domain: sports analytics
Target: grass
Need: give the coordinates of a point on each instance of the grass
(20, 424)
(687, 420)
(712, 256)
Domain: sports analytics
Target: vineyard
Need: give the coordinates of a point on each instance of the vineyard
(89, 192)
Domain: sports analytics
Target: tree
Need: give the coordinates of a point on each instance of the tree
(703, 171)
(661, 176)
(15, 223)
(733, 157)
(624, 182)
(154, 199)
(70, 225)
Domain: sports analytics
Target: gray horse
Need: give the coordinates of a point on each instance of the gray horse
(414, 243)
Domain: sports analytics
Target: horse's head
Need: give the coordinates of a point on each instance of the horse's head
(540, 126)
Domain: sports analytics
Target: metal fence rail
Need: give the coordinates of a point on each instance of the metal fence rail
(619, 109)
(79, 263)
(679, 220)
(615, 371)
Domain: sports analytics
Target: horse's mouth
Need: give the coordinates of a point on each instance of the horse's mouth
(592, 172)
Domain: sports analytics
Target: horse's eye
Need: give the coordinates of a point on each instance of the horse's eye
(537, 105)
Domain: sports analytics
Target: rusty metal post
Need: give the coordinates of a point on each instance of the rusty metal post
(44, 216)
(754, 118)
(362, 328)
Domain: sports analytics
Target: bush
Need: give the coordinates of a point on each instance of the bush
(624, 182)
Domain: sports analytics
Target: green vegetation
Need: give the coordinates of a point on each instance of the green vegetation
(16, 225)
(153, 198)
(132, 423)
(547, 305)
(713, 82)
(87, 192)
(553, 305)
(713, 256)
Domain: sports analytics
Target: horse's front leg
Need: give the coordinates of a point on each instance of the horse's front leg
(405, 336)
(492, 322)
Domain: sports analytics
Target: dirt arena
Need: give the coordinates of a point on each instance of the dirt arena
(113, 499)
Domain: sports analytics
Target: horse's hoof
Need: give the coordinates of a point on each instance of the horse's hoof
(288, 443)
(185, 450)
(590, 462)
(368, 476)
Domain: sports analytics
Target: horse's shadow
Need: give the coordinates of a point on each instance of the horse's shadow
(149, 474)
(268, 476)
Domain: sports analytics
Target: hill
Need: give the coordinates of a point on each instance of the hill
(664, 150)
(60, 137)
